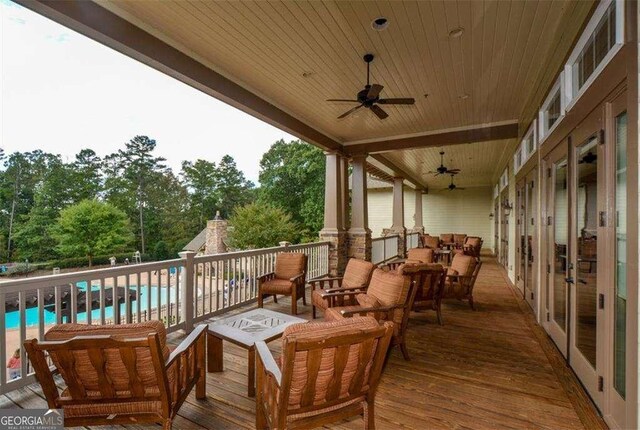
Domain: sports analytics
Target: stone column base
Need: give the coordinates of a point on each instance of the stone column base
(402, 232)
(338, 250)
(360, 244)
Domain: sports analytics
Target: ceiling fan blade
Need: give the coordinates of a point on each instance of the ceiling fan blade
(380, 113)
(350, 111)
(453, 171)
(401, 101)
(460, 188)
(374, 91)
(343, 100)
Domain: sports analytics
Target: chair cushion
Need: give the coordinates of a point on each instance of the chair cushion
(432, 242)
(459, 238)
(446, 237)
(423, 255)
(320, 331)
(289, 264)
(277, 286)
(357, 273)
(389, 288)
(463, 264)
(367, 301)
(321, 303)
(115, 367)
(473, 241)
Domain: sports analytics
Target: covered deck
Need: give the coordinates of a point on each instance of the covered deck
(489, 368)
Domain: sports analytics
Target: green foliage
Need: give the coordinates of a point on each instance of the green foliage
(233, 188)
(91, 228)
(161, 251)
(292, 177)
(260, 225)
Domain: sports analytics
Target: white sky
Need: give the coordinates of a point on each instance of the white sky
(62, 92)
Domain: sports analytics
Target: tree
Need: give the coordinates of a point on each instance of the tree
(260, 225)
(130, 175)
(91, 228)
(234, 189)
(87, 170)
(292, 177)
(201, 178)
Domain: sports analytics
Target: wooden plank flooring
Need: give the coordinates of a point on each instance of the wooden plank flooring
(493, 368)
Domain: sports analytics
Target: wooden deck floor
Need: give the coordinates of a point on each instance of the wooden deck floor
(493, 368)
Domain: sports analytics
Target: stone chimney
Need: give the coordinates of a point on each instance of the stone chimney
(216, 235)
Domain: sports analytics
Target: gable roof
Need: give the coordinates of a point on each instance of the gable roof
(197, 243)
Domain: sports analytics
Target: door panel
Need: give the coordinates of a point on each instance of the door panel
(521, 229)
(531, 242)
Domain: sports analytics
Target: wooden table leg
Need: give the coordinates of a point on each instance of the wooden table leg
(251, 374)
(214, 353)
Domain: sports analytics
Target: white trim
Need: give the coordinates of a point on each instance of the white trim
(432, 132)
(570, 69)
(543, 116)
(525, 154)
(504, 179)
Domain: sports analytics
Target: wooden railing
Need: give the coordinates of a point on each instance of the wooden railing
(178, 292)
(384, 248)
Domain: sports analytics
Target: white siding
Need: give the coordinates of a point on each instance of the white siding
(464, 211)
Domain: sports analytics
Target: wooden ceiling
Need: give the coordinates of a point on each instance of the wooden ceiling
(296, 54)
(480, 163)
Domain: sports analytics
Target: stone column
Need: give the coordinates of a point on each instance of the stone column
(332, 231)
(216, 236)
(359, 233)
(418, 226)
(398, 214)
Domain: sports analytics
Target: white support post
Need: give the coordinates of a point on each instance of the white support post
(187, 293)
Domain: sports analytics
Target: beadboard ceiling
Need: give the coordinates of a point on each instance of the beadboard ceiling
(296, 54)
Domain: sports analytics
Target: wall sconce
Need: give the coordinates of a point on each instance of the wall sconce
(491, 215)
(506, 206)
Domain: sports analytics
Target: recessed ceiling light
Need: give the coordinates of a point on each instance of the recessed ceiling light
(456, 32)
(380, 23)
(463, 96)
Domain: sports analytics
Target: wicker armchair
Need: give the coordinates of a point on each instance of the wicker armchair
(432, 242)
(430, 285)
(287, 279)
(328, 371)
(356, 279)
(458, 240)
(473, 246)
(461, 278)
(118, 374)
(389, 297)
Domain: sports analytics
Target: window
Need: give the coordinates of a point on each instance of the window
(596, 46)
(527, 147)
(552, 109)
(504, 179)
(517, 159)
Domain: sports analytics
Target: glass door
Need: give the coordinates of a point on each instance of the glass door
(504, 229)
(530, 244)
(588, 221)
(496, 227)
(557, 234)
(521, 244)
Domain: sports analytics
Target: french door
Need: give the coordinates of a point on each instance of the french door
(531, 243)
(587, 257)
(557, 235)
(521, 237)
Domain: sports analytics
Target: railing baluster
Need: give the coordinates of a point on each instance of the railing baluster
(138, 297)
(103, 299)
(3, 341)
(22, 303)
(116, 301)
(127, 299)
(88, 297)
(73, 313)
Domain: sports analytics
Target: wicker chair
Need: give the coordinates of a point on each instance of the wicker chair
(432, 242)
(118, 374)
(328, 371)
(430, 285)
(473, 246)
(356, 278)
(446, 239)
(461, 278)
(389, 297)
(459, 239)
(287, 279)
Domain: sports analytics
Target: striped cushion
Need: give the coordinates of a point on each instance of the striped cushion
(459, 238)
(277, 286)
(357, 273)
(390, 289)
(319, 331)
(289, 265)
(446, 237)
(424, 255)
(367, 301)
(463, 265)
(115, 367)
(432, 242)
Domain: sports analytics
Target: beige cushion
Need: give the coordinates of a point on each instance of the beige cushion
(463, 264)
(289, 265)
(423, 255)
(367, 301)
(277, 286)
(357, 273)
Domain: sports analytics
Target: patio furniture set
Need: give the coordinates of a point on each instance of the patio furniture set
(328, 370)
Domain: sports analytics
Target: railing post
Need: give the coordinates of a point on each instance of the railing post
(187, 293)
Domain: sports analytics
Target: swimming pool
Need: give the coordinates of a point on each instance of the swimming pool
(12, 319)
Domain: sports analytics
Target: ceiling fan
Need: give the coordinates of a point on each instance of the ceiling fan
(369, 97)
(453, 186)
(443, 170)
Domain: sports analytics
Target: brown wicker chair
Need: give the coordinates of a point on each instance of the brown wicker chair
(389, 297)
(356, 278)
(432, 242)
(473, 246)
(328, 371)
(287, 279)
(430, 286)
(446, 239)
(118, 374)
(461, 278)
(459, 239)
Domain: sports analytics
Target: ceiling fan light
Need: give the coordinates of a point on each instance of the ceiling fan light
(380, 23)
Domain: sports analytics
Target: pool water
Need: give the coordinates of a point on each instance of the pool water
(12, 319)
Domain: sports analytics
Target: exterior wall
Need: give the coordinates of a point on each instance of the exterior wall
(465, 211)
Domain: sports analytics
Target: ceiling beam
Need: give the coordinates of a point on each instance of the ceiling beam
(472, 135)
(96, 22)
(398, 172)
